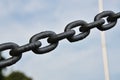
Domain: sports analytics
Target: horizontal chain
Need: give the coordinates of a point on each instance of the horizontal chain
(53, 38)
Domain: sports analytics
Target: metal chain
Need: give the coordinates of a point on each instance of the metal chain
(53, 38)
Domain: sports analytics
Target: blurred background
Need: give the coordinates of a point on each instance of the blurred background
(82, 60)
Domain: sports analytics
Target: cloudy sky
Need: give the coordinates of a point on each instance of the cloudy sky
(82, 60)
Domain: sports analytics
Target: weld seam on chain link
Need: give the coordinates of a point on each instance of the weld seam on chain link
(92, 25)
(61, 36)
(25, 48)
(114, 17)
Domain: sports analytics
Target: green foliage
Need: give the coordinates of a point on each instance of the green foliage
(1, 74)
(17, 76)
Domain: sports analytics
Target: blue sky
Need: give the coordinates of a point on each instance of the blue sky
(82, 60)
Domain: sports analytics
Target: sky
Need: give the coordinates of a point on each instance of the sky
(81, 60)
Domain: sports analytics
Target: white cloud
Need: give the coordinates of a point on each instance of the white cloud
(35, 5)
(21, 7)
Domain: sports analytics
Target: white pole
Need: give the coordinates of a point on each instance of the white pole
(104, 49)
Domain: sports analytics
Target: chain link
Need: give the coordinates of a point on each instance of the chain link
(53, 38)
(13, 59)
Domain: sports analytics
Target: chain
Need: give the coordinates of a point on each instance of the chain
(53, 38)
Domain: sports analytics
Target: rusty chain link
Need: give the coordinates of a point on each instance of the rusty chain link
(53, 38)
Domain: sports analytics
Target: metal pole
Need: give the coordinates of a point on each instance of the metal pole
(104, 49)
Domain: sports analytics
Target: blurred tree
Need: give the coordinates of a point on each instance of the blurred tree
(1, 74)
(16, 75)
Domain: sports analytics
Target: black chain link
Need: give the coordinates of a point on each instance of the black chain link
(53, 38)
